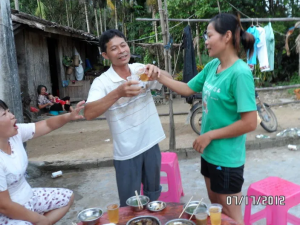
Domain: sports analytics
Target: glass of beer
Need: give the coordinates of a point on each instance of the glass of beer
(201, 216)
(215, 211)
(113, 213)
(140, 71)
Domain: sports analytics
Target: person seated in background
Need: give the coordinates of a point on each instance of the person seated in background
(65, 104)
(19, 203)
(45, 105)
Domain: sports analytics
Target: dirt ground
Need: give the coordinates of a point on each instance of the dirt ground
(92, 139)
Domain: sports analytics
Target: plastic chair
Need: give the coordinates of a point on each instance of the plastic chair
(279, 195)
(169, 165)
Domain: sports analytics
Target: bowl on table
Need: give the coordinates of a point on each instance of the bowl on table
(193, 205)
(156, 206)
(144, 220)
(133, 202)
(180, 222)
(90, 216)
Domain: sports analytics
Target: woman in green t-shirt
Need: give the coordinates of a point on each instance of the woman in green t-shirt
(229, 110)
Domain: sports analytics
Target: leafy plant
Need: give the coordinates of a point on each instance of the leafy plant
(67, 61)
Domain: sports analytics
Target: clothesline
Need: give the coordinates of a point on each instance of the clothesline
(252, 18)
(248, 19)
(160, 32)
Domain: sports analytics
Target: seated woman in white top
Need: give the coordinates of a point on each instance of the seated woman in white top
(19, 203)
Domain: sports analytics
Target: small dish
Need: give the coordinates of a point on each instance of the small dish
(156, 206)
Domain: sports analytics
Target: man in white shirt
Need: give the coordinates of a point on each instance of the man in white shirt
(132, 117)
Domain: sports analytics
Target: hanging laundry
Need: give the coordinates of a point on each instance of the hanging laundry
(252, 61)
(262, 53)
(189, 66)
(270, 42)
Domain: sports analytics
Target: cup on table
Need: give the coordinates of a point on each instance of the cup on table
(113, 213)
(215, 211)
(201, 216)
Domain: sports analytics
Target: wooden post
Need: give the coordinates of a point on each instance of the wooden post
(164, 35)
(16, 4)
(104, 19)
(163, 29)
(86, 16)
(168, 67)
(96, 18)
(67, 13)
(100, 22)
(71, 17)
(198, 44)
(9, 78)
(116, 15)
(133, 47)
(172, 141)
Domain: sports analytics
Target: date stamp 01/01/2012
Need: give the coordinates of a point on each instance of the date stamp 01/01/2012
(256, 200)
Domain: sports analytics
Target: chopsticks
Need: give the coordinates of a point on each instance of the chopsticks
(185, 207)
(138, 200)
(195, 209)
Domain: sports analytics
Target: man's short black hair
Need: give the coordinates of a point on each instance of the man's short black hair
(107, 35)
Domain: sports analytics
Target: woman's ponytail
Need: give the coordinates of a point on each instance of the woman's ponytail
(246, 38)
(248, 41)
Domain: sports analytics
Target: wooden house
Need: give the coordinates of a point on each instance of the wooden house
(40, 48)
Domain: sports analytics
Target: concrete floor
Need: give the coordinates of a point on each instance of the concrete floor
(97, 187)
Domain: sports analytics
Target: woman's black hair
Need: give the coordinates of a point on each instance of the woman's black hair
(3, 105)
(39, 88)
(224, 22)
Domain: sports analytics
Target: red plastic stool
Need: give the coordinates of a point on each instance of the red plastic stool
(279, 195)
(169, 165)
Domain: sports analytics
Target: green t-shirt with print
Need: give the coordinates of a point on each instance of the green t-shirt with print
(224, 96)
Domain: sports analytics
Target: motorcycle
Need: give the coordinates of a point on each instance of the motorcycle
(267, 116)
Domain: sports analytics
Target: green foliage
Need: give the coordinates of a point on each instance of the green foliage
(128, 10)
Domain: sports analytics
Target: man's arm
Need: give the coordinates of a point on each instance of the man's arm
(96, 108)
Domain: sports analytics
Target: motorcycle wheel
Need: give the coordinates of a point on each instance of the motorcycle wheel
(268, 118)
(196, 120)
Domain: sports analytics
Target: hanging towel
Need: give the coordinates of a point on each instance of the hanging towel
(270, 41)
(252, 61)
(262, 53)
(189, 66)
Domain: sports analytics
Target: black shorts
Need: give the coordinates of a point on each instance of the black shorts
(223, 180)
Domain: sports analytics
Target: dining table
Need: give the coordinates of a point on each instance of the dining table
(172, 211)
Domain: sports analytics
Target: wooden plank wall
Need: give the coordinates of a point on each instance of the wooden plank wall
(78, 90)
(66, 47)
(33, 62)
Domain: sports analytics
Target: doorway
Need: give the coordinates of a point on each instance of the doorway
(52, 46)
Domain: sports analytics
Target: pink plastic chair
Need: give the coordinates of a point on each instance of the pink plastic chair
(275, 191)
(169, 165)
